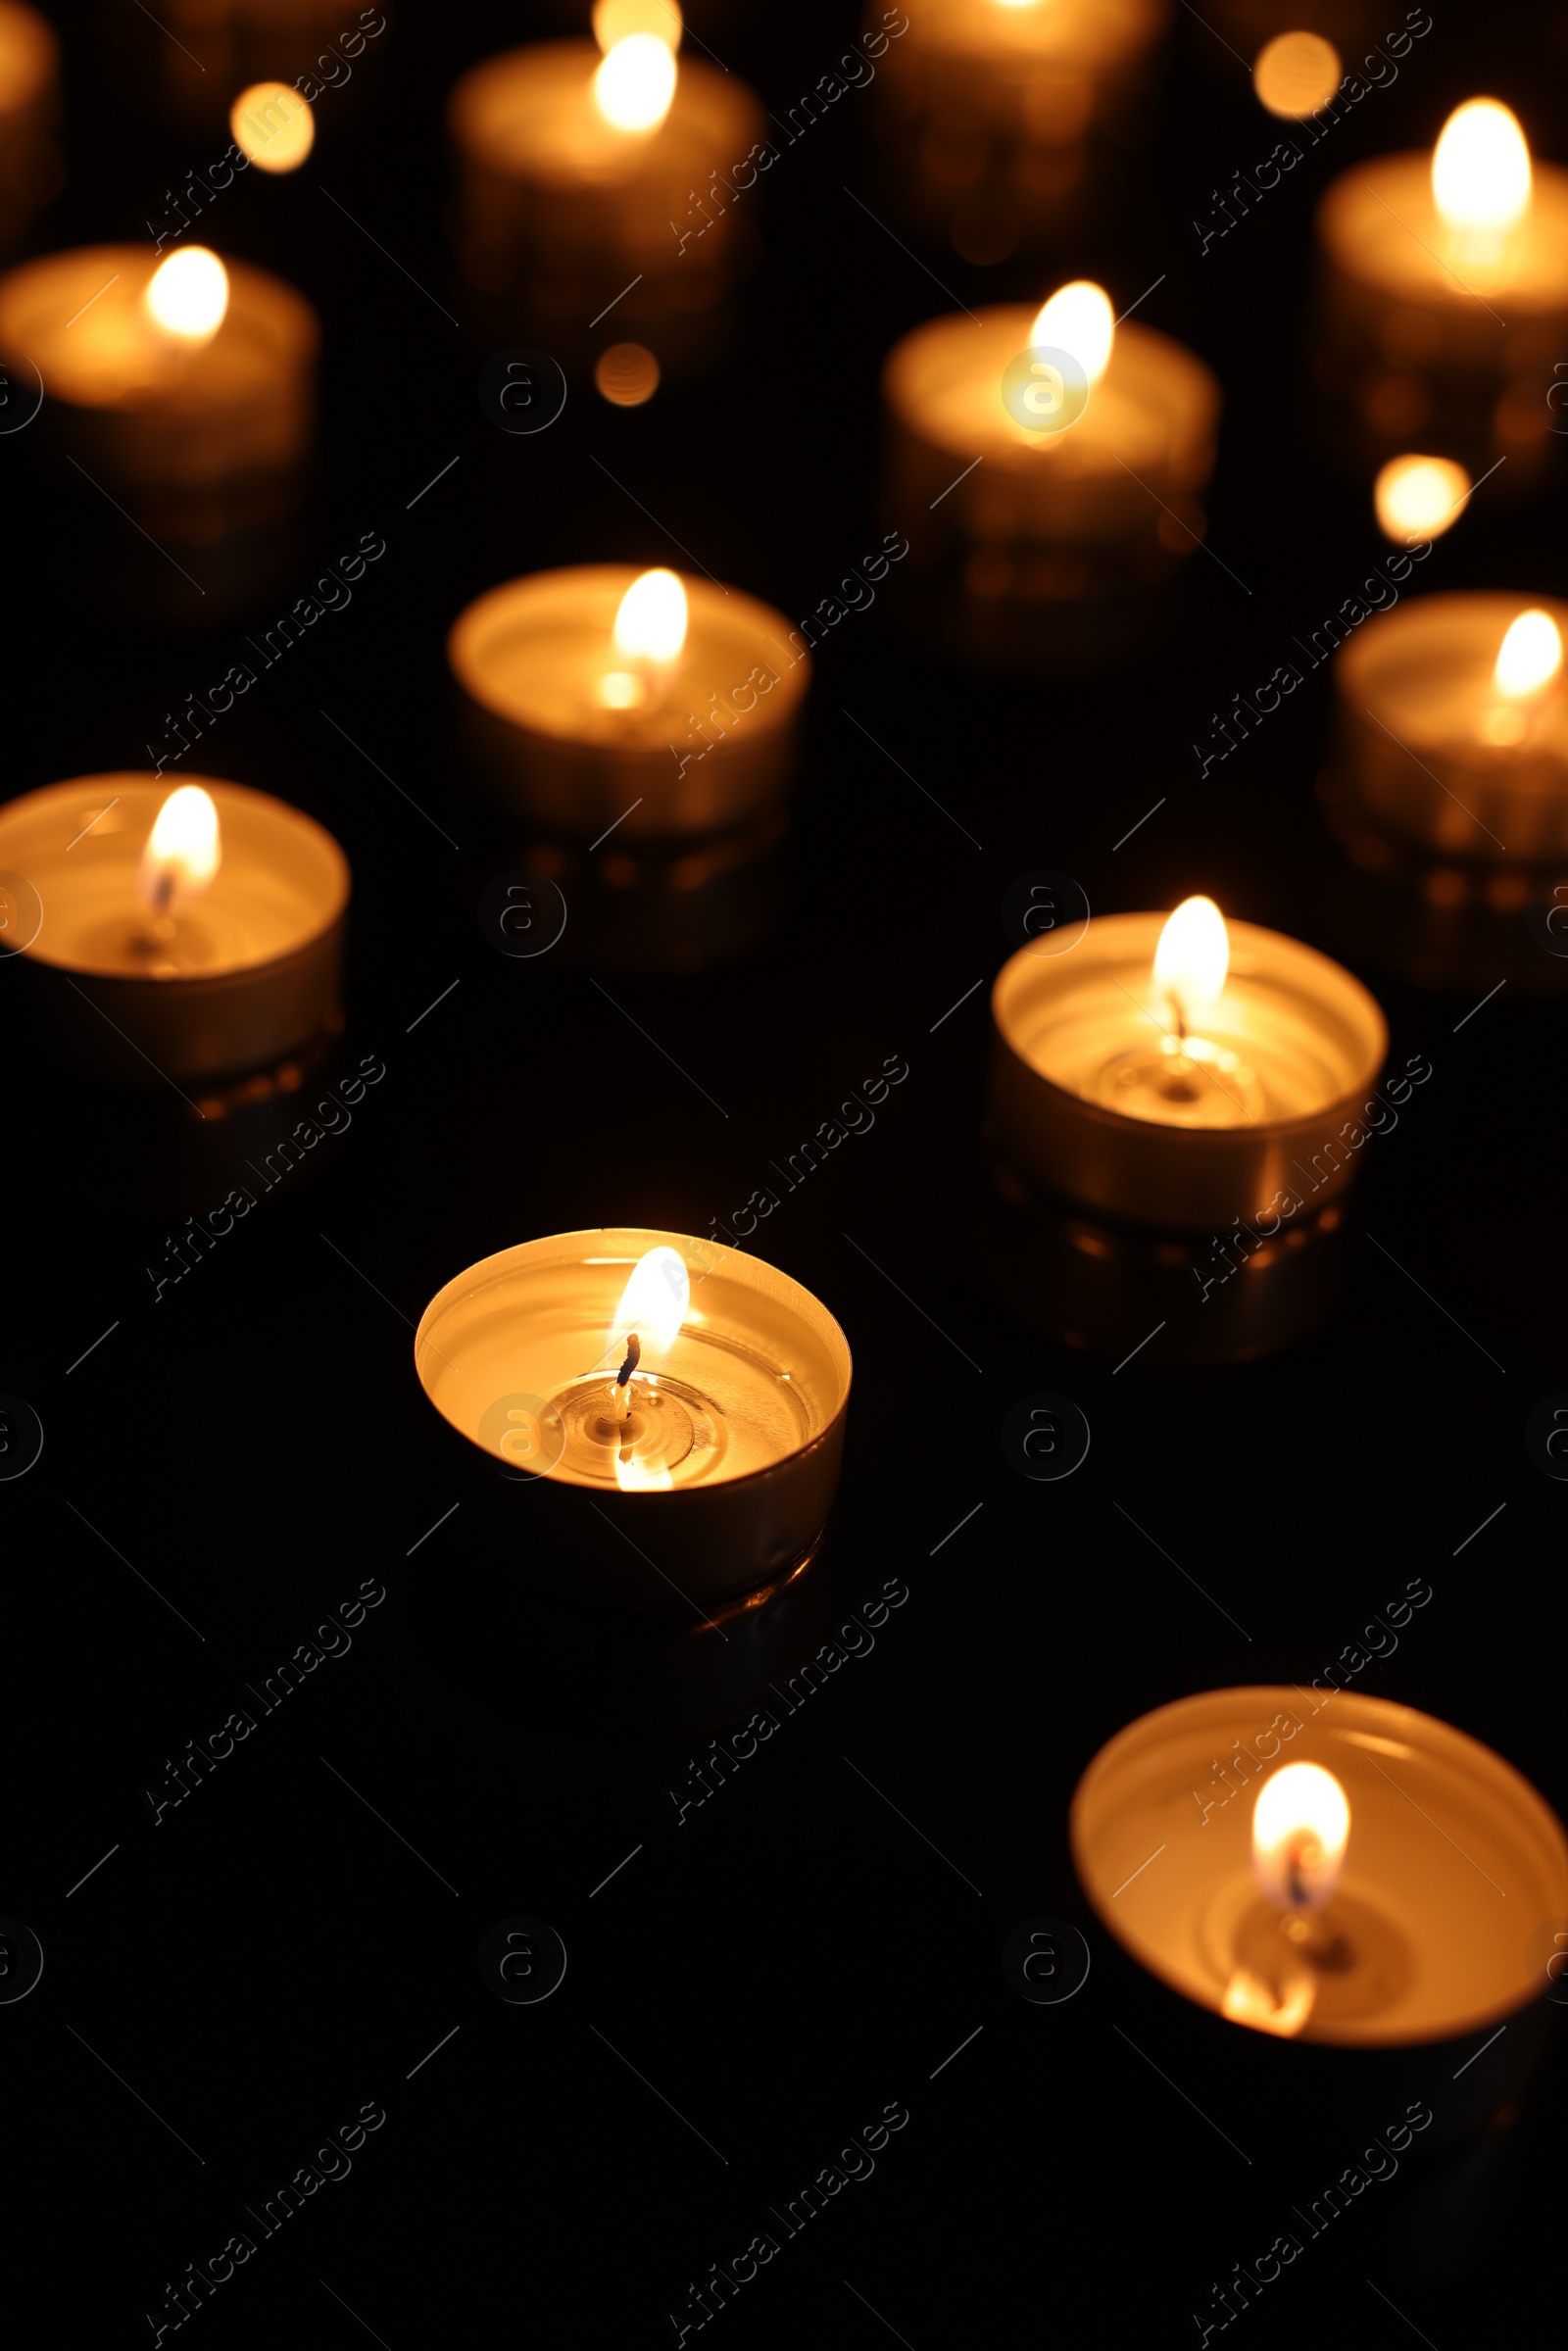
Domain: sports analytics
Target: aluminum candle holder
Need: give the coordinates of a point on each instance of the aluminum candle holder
(1444, 299)
(245, 970)
(1450, 795)
(698, 1464)
(581, 717)
(1180, 1173)
(1048, 468)
(1424, 1932)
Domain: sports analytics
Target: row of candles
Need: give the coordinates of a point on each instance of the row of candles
(1163, 1071)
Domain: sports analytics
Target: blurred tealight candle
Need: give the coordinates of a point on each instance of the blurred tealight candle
(1446, 292)
(187, 934)
(30, 101)
(1042, 458)
(1453, 714)
(654, 703)
(598, 176)
(990, 111)
(182, 388)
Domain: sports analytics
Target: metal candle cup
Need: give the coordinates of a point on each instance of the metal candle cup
(559, 207)
(29, 99)
(1021, 536)
(1312, 1036)
(1454, 1870)
(1438, 337)
(706, 748)
(717, 1474)
(1438, 755)
(990, 111)
(253, 970)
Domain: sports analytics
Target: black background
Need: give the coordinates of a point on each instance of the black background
(792, 1956)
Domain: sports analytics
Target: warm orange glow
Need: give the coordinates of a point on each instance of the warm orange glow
(273, 126)
(1300, 1826)
(1269, 2008)
(651, 624)
(627, 374)
(1530, 656)
(652, 1305)
(1078, 318)
(636, 82)
(189, 294)
(183, 850)
(1295, 74)
(618, 20)
(1481, 167)
(1192, 959)
(1419, 497)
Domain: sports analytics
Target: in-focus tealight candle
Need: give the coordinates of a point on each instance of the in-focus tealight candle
(1453, 714)
(653, 702)
(1445, 294)
(588, 180)
(185, 932)
(1179, 1072)
(1360, 1875)
(681, 1396)
(1038, 459)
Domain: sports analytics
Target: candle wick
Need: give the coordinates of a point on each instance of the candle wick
(634, 1350)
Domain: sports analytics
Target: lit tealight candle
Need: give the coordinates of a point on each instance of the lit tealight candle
(185, 388)
(193, 933)
(576, 165)
(621, 1365)
(1447, 288)
(1179, 1072)
(1454, 715)
(658, 703)
(1379, 1887)
(29, 100)
(1047, 455)
(990, 108)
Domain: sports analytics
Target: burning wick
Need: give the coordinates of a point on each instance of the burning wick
(634, 1348)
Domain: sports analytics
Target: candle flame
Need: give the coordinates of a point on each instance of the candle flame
(1419, 497)
(1481, 167)
(636, 82)
(1300, 1826)
(654, 1305)
(183, 850)
(1192, 959)
(189, 294)
(1530, 656)
(651, 624)
(1078, 318)
(273, 125)
(618, 20)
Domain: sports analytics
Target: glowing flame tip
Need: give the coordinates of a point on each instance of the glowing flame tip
(1481, 167)
(1301, 1826)
(1078, 318)
(189, 294)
